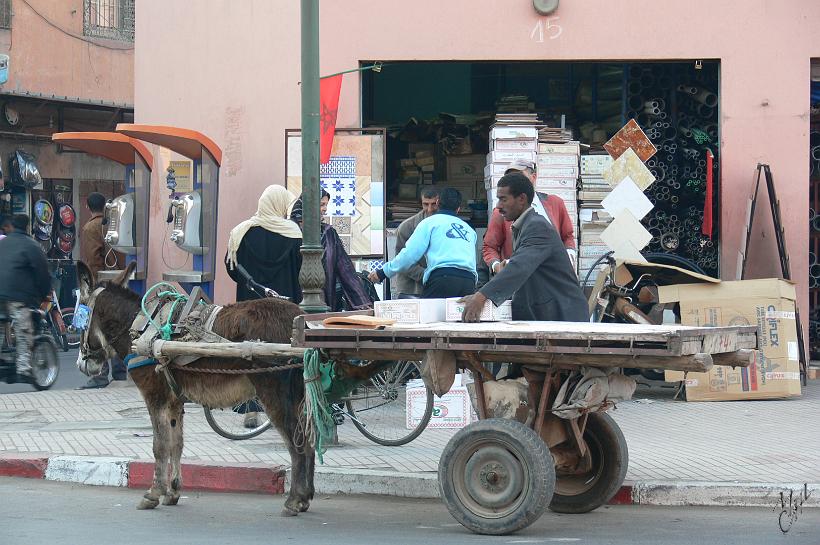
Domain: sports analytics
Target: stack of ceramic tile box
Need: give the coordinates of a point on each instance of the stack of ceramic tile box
(593, 219)
(558, 175)
(507, 145)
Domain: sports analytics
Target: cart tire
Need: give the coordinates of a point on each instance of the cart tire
(610, 459)
(496, 476)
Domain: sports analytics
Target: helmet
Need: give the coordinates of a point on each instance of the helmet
(65, 246)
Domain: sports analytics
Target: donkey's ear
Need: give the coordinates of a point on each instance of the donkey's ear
(85, 280)
(123, 278)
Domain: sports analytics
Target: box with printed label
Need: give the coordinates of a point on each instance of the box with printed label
(572, 147)
(594, 164)
(490, 312)
(556, 160)
(496, 169)
(558, 171)
(510, 156)
(513, 133)
(525, 144)
(464, 167)
(411, 311)
(566, 195)
(452, 410)
(767, 303)
(547, 184)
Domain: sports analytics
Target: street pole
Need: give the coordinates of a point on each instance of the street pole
(312, 274)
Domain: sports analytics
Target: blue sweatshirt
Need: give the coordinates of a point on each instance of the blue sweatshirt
(444, 240)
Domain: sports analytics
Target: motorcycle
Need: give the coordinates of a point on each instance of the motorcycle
(45, 366)
(56, 320)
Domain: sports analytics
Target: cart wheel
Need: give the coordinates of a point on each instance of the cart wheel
(496, 476)
(610, 459)
(232, 424)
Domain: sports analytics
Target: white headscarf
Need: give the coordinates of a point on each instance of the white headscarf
(271, 215)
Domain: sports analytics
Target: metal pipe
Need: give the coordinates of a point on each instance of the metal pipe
(706, 98)
(688, 89)
(634, 87)
(647, 79)
(815, 153)
(635, 102)
(705, 111)
(665, 82)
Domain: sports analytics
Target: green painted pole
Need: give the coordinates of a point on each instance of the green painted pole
(312, 274)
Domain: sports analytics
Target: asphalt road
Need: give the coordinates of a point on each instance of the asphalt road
(69, 378)
(47, 513)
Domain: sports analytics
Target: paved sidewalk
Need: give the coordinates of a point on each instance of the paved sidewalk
(672, 444)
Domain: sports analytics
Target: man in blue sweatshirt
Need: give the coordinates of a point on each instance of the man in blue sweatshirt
(448, 245)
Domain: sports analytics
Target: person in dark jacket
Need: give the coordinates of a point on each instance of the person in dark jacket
(24, 283)
(539, 278)
(267, 246)
(339, 269)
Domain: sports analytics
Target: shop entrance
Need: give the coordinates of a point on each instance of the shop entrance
(814, 213)
(439, 116)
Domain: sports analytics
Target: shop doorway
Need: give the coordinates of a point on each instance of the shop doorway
(814, 212)
(445, 110)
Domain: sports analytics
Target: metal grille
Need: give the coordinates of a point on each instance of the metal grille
(5, 13)
(112, 19)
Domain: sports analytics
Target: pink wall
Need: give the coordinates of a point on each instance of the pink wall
(230, 70)
(45, 60)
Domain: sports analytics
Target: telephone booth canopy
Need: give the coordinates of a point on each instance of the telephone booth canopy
(138, 161)
(206, 157)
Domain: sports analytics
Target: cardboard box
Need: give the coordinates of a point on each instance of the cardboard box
(558, 171)
(557, 159)
(594, 164)
(464, 167)
(549, 184)
(525, 144)
(411, 311)
(513, 133)
(767, 303)
(567, 195)
(510, 156)
(453, 410)
(571, 147)
(408, 191)
(496, 169)
(490, 313)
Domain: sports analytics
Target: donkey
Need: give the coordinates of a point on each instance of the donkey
(281, 393)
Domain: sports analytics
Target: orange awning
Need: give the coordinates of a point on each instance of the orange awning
(183, 141)
(111, 145)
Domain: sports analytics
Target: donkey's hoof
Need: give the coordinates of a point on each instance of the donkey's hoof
(288, 512)
(304, 506)
(170, 499)
(147, 503)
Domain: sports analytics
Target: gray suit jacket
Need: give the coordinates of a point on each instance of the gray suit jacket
(410, 281)
(539, 276)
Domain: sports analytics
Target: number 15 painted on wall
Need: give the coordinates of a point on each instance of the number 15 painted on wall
(546, 26)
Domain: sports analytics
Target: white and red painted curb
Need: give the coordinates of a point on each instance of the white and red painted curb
(216, 477)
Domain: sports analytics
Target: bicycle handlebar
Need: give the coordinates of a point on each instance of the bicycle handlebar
(255, 286)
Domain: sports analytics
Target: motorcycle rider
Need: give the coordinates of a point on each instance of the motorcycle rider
(24, 283)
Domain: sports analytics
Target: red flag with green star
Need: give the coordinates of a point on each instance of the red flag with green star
(329, 89)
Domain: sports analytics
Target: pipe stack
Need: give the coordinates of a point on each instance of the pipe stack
(676, 106)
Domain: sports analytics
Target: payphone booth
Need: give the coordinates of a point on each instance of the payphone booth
(194, 211)
(126, 228)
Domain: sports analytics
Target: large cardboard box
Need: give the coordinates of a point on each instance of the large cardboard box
(453, 410)
(411, 311)
(464, 167)
(767, 303)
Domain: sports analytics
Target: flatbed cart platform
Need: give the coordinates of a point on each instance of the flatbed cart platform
(498, 475)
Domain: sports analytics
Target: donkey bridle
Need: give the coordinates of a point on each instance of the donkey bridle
(98, 353)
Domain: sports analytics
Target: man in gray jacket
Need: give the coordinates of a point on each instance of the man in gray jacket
(409, 282)
(538, 277)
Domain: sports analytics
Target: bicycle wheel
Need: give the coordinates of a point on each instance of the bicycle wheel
(379, 407)
(72, 333)
(230, 423)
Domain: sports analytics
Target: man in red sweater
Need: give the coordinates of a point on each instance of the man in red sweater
(498, 239)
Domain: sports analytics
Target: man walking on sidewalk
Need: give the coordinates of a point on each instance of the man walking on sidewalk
(96, 254)
(24, 283)
(409, 282)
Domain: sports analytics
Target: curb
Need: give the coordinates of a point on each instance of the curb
(257, 478)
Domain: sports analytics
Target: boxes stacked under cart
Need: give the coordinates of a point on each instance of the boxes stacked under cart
(558, 175)
(592, 217)
(507, 145)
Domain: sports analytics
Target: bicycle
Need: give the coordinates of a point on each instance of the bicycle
(378, 408)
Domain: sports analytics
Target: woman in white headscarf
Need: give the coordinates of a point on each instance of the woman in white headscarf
(267, 246)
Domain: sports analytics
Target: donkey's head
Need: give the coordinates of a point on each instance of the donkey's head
(113, 308)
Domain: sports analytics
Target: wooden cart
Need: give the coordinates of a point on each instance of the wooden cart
(497, 476)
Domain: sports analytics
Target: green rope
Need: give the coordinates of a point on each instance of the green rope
(319, 423)
(172, 293)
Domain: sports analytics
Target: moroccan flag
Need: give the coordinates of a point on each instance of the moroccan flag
(329, 89)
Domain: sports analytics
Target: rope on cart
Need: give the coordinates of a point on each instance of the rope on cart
(317, 422)
(171, 293)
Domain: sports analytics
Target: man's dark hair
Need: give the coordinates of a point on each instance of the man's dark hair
(96, 202)
(20, 222)
(429, 193)
(517, 184)
(450, 199)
